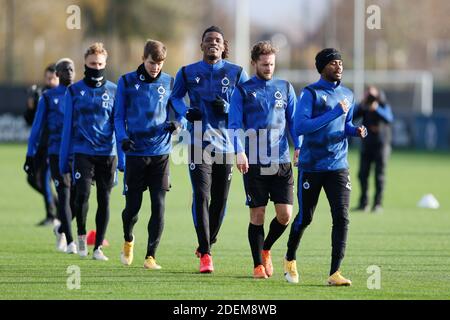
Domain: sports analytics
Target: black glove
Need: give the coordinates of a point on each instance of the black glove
(172, 126)
(219, 105)
(193, 115)
(128, 145)
(28, 167)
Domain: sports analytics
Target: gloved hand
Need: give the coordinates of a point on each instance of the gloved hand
(219, 105)
(128, 145)
(193, 115)
(172, 126)
(28, 167)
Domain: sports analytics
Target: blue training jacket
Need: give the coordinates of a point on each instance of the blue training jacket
(203, 82)
(141, 110)
(50, 117)
(324, 126)
(88, 123)
(265, 104)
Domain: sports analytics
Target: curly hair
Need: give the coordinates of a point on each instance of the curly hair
(226, 44)
(226, 51)
(263, 48)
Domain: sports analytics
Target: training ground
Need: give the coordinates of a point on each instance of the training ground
(410, 245)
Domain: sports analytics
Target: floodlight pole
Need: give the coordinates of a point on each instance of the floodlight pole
(358, 52)
(331, 26)
(426, 107)
(242, 34)
(9, 41)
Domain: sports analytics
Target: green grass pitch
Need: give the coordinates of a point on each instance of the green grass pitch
(409, 244)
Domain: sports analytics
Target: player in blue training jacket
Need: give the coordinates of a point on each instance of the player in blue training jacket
(209, 84)
(143, 129)
(50, 119)
(264, 106)
(37, 167)
(88, 133)
(324, 118)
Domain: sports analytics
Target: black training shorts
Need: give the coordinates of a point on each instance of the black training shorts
(261, 186)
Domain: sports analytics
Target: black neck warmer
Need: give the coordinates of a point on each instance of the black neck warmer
(144, 76)
(94, 78)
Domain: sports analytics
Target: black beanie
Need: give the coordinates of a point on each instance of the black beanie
(325, 56)
(213, 29)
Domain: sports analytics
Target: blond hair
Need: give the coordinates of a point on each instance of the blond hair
(96, 48)
(64, 60)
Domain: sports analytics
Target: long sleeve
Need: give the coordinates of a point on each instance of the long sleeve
(179, 117)
(243, 78)
(119, 123)
(290, 116)
(385, 112)
(350, 129)
(120, 156)
(304, 123)
(178, 93)
(119, 114)
(235, 119)
(66, 134)
(38, 127)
